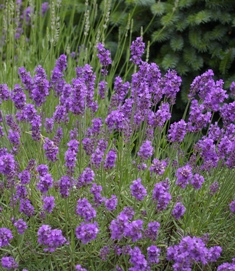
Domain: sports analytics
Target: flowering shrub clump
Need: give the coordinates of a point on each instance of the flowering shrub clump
(94, 175)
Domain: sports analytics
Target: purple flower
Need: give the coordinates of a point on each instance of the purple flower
(153, 254)
(152, 231)
(214, 188)
(4, 93)
(51, 150)
(158, 167)
(45, 7)
(137, 50)
(110, 159)
(134, 230)
(95, 190)
(138, 260)
(178, 210)
(138, 190)
(26, 207)
(52, 239)
(177, 131)
(21, 226)
(232, 206)
(18, 97)
(97, 157)
(65, 186)
(85, 210)
(118, 225)
(86, 177)
(45, 183)
(170, 85)
(24, 177)
(146, 150)
(9, 263)
(161, 195)
(197, 181)
(87, 232)
(183, 174)
(48, 204)
(111, 203)
(78, 267)
(104, 251)
(102, 89)
(227, 266)
(7, 164)
(88, 145)
(103, 55)
(191, 250)
(5, 237)
(42, 170)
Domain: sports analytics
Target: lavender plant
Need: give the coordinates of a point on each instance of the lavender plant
(94, 176)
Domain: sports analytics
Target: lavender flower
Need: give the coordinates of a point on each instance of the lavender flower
(102, 89)
(138, 190)
(52, 239)
(161, 195)
(117, 226)
(4, 93)
(110, 159)
(9, 263)
(26, 207)
(227, 266)
(177, 131)
(78, 267)
(146, 150)
(87, 232)
(85, 209)
(97, 157)
(103, 55)
(18, 97)
(197, 181)
(5, 237)
(232, 206)
(111, 203)
(45, 183)
(137, 50)
(48, 204)
(86, 177)
(158, 167)
(95, 190)
(138, 260)
(24, 177)
(152, 231)
(183, 174)
(178, 210)
(153, 254)
(104, 251)
(51, 150)
(65, 186)
(134, 230)
(21, 226)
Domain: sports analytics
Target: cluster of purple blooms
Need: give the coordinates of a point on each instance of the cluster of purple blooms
(133, 104)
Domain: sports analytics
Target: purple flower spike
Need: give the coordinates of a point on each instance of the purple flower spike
(9, 263)
(178, 210)
(78, 267)
(137, 50)
(153, 254)
(48, 204)
(138, 190)
(111, 203)
(85, 209)
(51, 150)
(146, 150)
(21, 226)
(103, 55)
(87, 232)
(232, 206)
(5, 237)
(183, 174)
